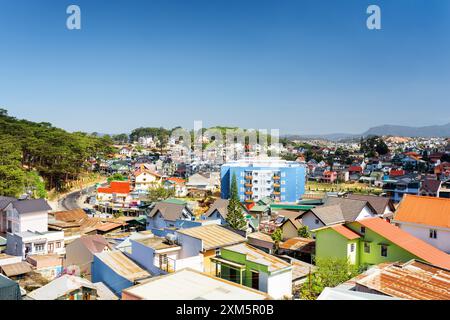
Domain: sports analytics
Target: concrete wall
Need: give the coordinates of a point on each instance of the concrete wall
(280, 285)
(442, 242)
(102, 273)
(190, 246)
(309, 219)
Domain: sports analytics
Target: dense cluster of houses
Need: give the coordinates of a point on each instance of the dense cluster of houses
(411, 169)
(70, 255)
(142, 249)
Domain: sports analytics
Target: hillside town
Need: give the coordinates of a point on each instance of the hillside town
(264, 222)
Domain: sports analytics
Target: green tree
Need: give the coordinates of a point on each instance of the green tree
(35, 184)
(235, 216)
(117, 177)
(303, 232)
(330, 272)
(160, 193)
(277, 237)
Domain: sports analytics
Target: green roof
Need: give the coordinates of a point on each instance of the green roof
(311, 202)
(174, 201)
(291, 207)
(258, 208)
(265, 201)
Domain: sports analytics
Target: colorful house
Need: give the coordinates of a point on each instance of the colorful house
(207, 240)
(116, 271)
(254, 268)
(372, 241)
(427, 218)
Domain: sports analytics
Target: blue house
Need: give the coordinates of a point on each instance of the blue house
(116, 271)
(164, 215)
(281, 180)
(395, 189)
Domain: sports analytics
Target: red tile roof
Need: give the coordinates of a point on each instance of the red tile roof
(176, 180)
(355, 169)
(397, 173)
(430, 211)
(415, 246)
(346, 232)
(116, 187)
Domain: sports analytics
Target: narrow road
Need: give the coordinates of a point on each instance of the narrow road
(71, 200)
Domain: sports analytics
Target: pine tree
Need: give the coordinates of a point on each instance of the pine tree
(235, 215)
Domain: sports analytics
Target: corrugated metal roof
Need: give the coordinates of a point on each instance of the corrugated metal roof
(260, 257)
(122, 265)
(298, 243)
(15, 269)
(414, 280)
(188, 284)
(213, 236)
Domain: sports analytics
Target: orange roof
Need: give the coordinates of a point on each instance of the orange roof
(346, 232)
(404, 240)
(430, 211)
(116, 187)
(176, 180)
(141, 170)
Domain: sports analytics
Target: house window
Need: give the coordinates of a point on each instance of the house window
(384, 250)
(317, 221)
(366, 247)
(58, 245)
(352, 247)
(433, 234)
(363, 230)
(51, 247)
(39, 247)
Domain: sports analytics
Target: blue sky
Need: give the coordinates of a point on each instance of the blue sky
(298, 66)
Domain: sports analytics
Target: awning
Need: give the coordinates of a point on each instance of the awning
(228, 263)
(15, 269)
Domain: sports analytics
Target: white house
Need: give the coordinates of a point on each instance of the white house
(35, 243)
(161, 255)
(426, 218)
(27, 227)
(146, 179)
(27, 215)
(337, 210)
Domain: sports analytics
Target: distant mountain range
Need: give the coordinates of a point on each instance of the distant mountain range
(385, 130)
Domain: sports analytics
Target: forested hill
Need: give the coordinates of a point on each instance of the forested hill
(29, 150)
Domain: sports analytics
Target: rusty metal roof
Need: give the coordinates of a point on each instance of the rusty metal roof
(414, 280)
(298, 243)
(15, 269)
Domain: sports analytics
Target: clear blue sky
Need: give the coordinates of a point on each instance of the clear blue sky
(300, 66)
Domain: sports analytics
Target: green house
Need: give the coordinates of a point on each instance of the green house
(254, 268)
(373, 241)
